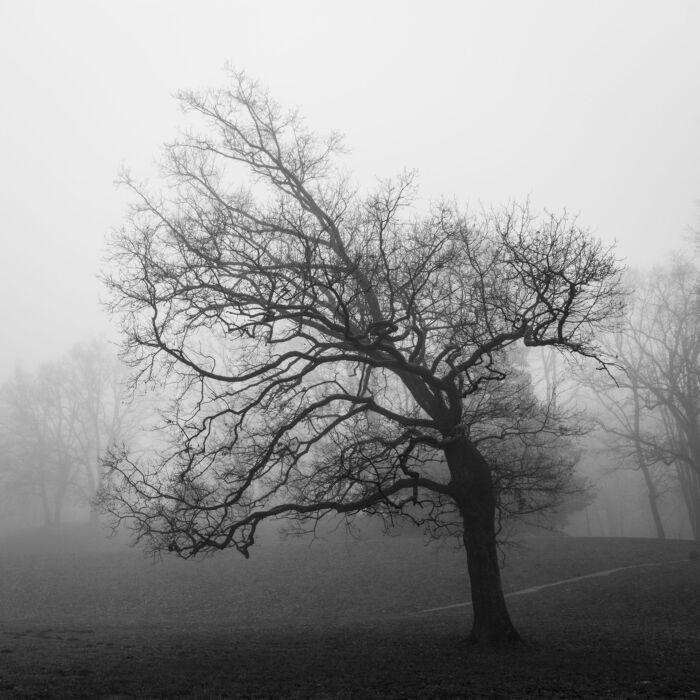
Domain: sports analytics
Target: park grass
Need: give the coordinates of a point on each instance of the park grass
(342, 619)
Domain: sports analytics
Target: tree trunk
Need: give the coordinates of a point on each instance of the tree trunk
(653, 497)
(492, 624)
(474, 494)
(690, 488)
(641, 461)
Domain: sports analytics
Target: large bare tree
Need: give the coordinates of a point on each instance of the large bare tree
(335, 352)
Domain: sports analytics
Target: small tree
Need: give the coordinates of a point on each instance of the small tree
(363, 345)
(652, 414)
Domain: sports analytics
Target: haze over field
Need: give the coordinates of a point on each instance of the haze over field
(593, 107)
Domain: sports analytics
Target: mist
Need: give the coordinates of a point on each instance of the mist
(118, 435)
(589, 107)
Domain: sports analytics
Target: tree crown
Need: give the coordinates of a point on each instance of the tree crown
(328, 344)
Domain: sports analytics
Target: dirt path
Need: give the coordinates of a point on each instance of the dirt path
(534, 589)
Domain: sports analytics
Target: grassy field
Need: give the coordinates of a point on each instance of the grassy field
(343, 619)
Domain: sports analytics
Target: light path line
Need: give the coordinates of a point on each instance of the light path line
(534, 589)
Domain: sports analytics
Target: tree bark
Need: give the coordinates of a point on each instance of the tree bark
(474, 493)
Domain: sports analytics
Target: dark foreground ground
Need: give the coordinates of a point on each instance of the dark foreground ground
(343, 620)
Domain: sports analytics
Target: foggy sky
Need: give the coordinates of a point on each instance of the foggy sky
(589, 106)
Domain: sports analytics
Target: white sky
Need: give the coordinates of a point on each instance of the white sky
(589, 106)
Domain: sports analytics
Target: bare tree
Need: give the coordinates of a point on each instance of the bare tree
(105, 411)
(34, 429)
(55, 424)
(654, 412)
(630, 429)
(668, 338)
(363, 342)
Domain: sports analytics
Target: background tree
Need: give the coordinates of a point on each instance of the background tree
(35, 464)
(105, 411)
(668, 338)
(653, 413)
(555, 381)
(56, 423)
(361, 339)
(629, 428)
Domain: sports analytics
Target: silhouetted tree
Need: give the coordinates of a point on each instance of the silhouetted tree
(334, 351)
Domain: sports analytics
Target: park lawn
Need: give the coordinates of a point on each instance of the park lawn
(342, 619)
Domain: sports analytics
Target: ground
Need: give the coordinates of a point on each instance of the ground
(343, 620)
